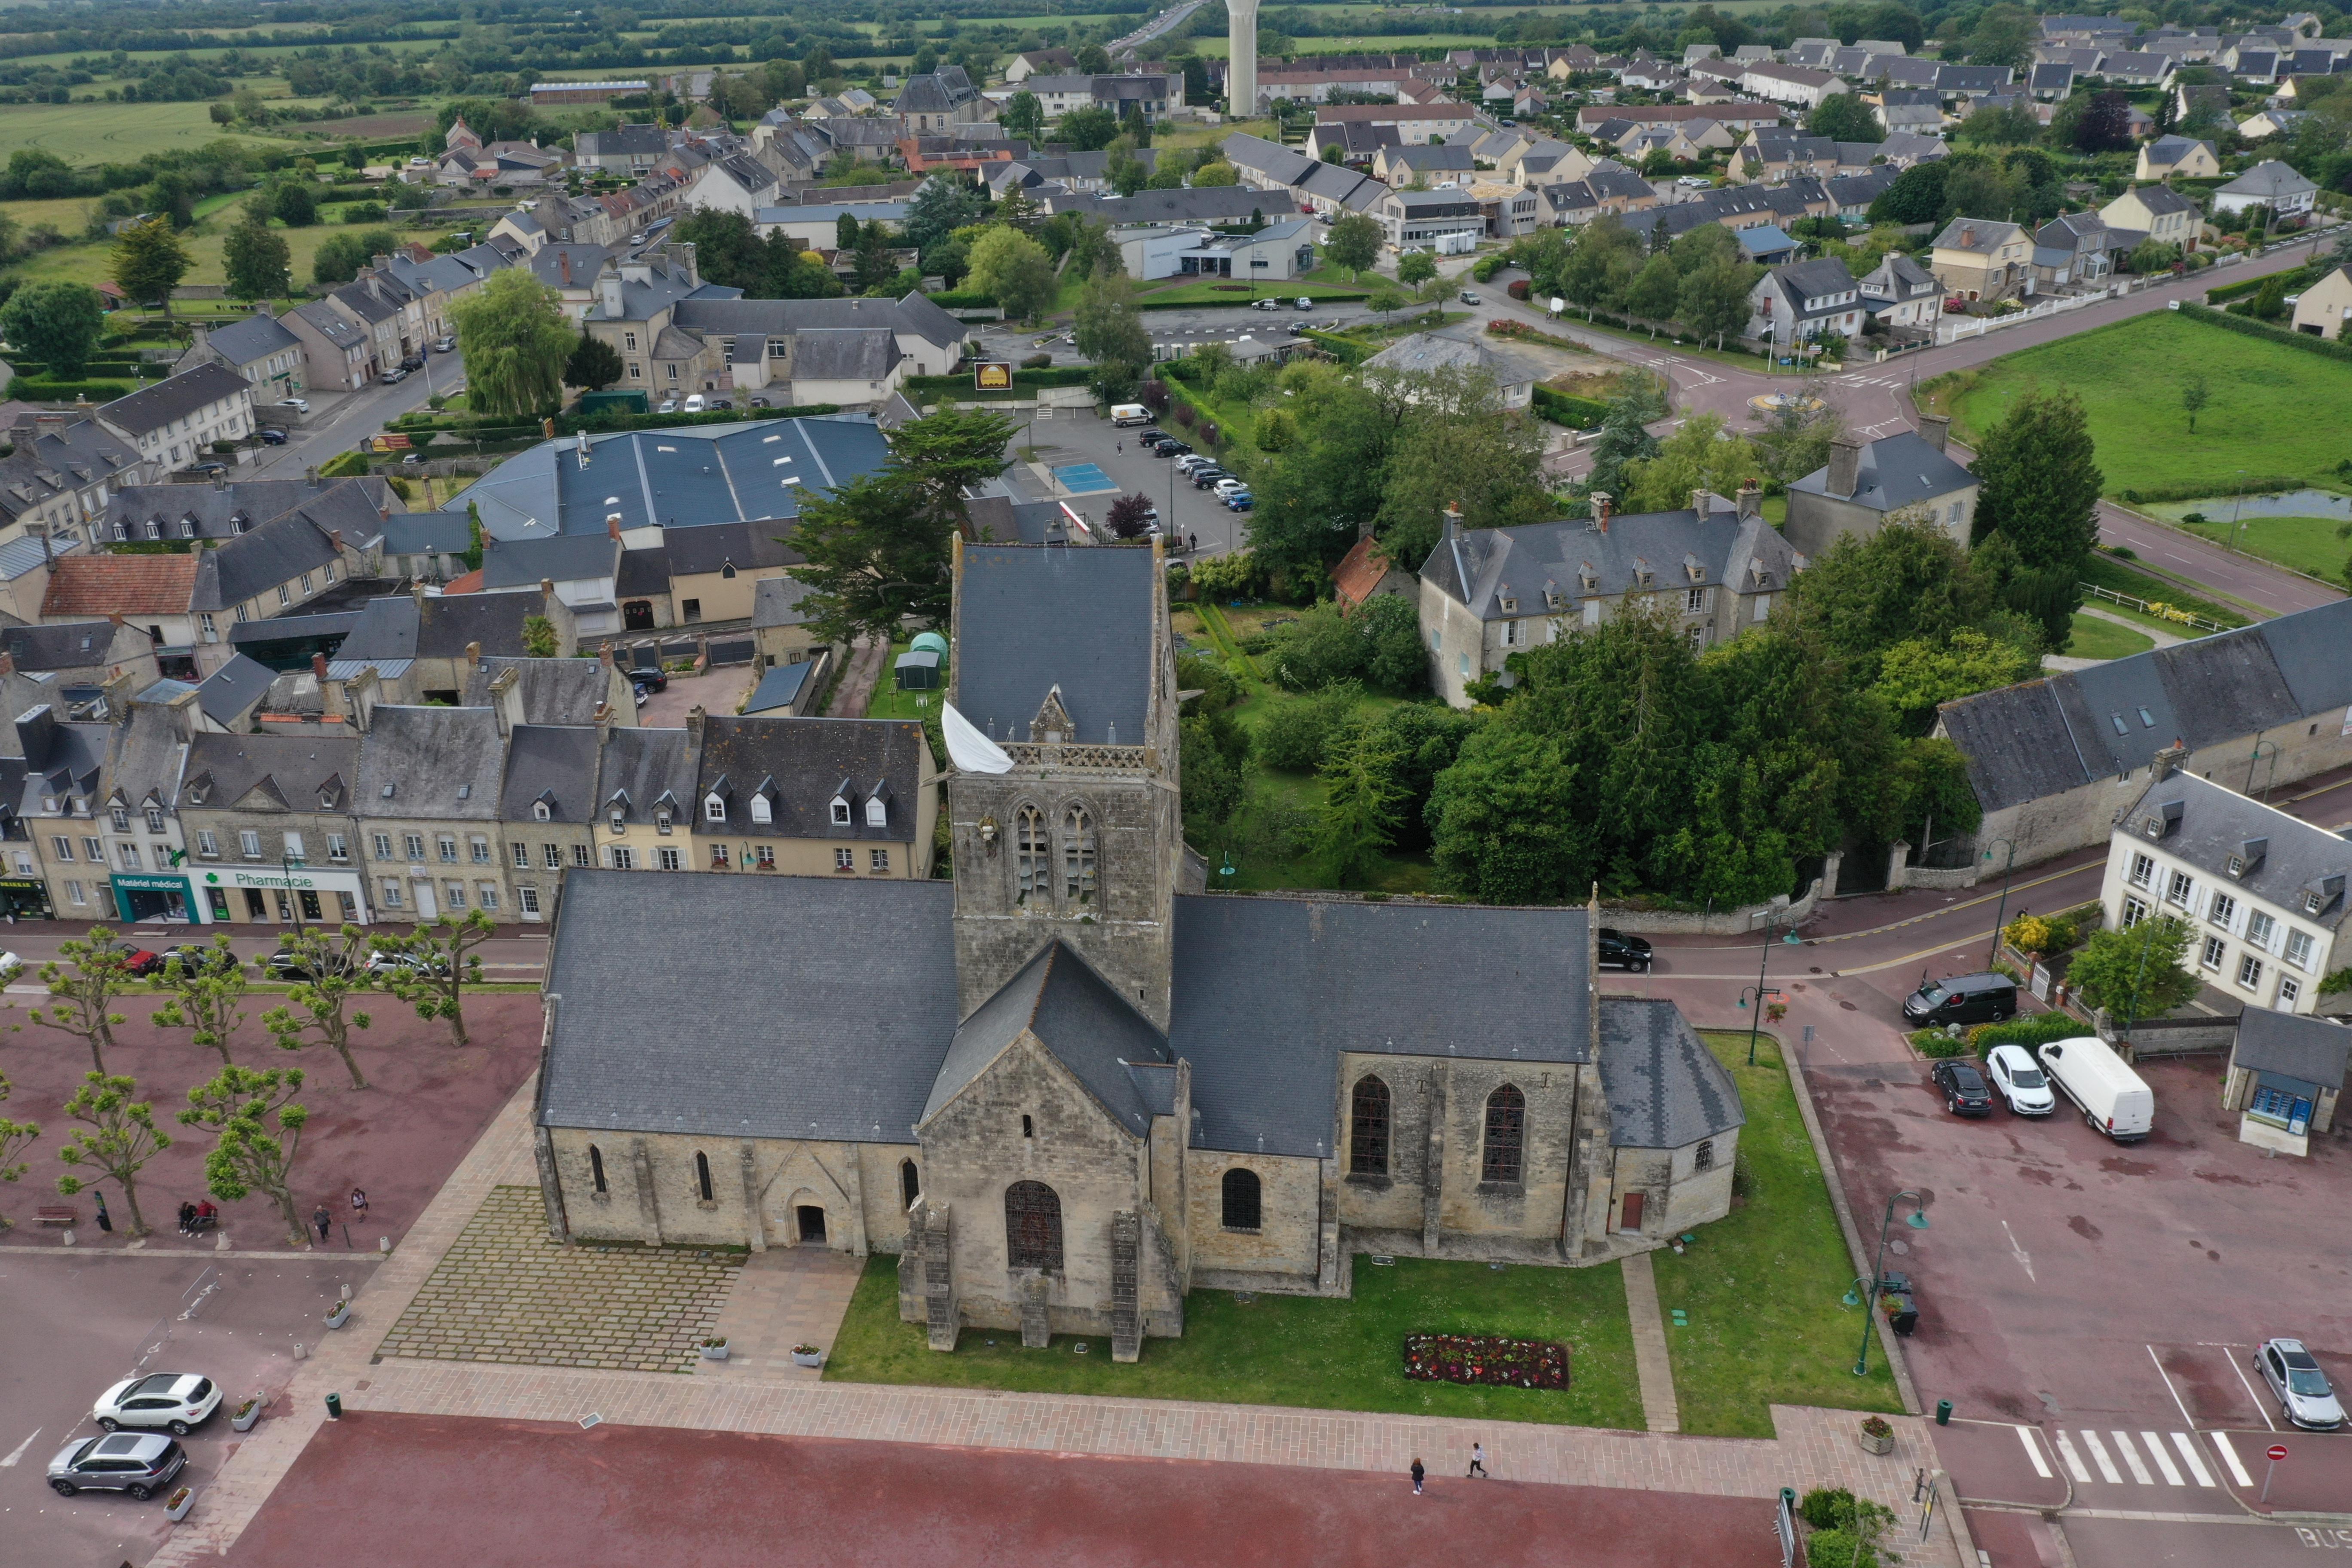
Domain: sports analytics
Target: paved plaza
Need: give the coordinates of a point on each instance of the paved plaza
(505, 1292)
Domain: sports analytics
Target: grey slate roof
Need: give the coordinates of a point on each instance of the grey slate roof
(1269, 991)
(1665, 1089)
(1004, 519)
(426, 534)
(778, 690)
(252, 564)
(776, 602)
(554, 691)
(2216, 823)
(1896, 471)
(356, 505)
(1546, 567)
(294, 768)
(844, 354)
(644, 770)
(2291, 1045)
(1438, 351)
(714, 546)
(858, 972)
(1201, 204)
(802, 765)
(552, 763)
(255, 338)
(233, 689)
(175, 397)
(69, 644)
(2270, 179)
(563, 558)
(443, 762)
(1089, 1028)
(1031, 619)
(396, 628)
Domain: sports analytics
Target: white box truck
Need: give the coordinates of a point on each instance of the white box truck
(1129, 414)
(2112, 1097)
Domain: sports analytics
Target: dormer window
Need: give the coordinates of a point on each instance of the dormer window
(2311, 903)
(538, 812)
(121, 819)
(714, 808)
(878, 813)
(2237, 865)
(760, 810)
(662, 820)
(619, 818)
(1510, 605)
(840, 811)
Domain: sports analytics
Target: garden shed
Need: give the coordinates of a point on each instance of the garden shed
(919, 670)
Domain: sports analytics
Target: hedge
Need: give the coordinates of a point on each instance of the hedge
(1566, 408)
(962, 299)
(97, 367)
(2249, 327)
(1339, 346)
(2197, 490)
(957, 385)
(343, 465)
(2299, 278)
(2028, 1029)
(31, 389)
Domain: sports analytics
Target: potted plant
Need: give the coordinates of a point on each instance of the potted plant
(246, 1414)
(807, 1355)
(1878, 1437)
(340, 1313)
(176, 1506)
(713, 1349)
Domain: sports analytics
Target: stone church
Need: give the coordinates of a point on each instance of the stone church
(1067, 1087)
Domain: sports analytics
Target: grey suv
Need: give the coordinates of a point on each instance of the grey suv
(139, 1463)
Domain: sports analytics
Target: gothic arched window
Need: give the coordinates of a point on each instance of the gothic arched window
(1241, 1194)
(1077, 857)
(1030, 855)
(1368, 1128)
(1507, 1126)
(1033, 1227)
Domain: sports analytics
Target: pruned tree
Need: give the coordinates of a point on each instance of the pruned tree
(100, 972)
(318, 1010)
(435, 964)
(15, 1137)
(204, 997)
(2194, 396)
(248, 1154)
(121, 1138)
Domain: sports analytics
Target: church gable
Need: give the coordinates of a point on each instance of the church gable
(1055, 1011)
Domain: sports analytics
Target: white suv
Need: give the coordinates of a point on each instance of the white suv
(177, 1400)
(1229, 484)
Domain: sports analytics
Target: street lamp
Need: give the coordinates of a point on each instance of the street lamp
(2237, 506)
(2008, 864)
(1763, 956)
(1870, 1287)
(2255, 760)
(286, 864)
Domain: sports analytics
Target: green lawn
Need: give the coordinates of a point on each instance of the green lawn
(1296, 1350)
(84, 133)
(1762, 1287)
(889, 702)
(2096, 638)
(1205, 293)
(2108, 571)
(2273, 409)
(2303, 543)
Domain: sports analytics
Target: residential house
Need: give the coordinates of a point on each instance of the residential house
(424, 647)
(69, 666)
(634, 151)
(337, 355)
(1150, 97)
(716, 569)
(1802, 301)
(358, 506)
(1428, 219)
(2051, 83)
(571, 269)
(1775, 155)
(738, 184)
(2271, 184)
(1328, 190)
(1276, 253)
(943, 98)
(780, 621)
(60, 795)
(59, 477)
(1429, 353)
(563, 692)
(260, 347)
(2074, 249)
(154, 592)
(1442, 165)
(547, 810)
(231, 698)
(2169, 156)
(176, 421)
(645, 802)
(1040, 62)
(1789, 84)
(2263, 889)
(388, 312)
(1488, 593)
(428, 808)
(2325, 306)
(1916, 109)
(2266, 124)
(1737, 118)
(1900, 294)
(438, 282)
(273, 569)
(1414, 123)
(267, 821)
(850, 797)
(1865, 483)
(2158, 212)
(1984, 258)
(145, 758)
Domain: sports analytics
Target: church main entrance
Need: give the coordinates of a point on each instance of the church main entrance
(811, 1219)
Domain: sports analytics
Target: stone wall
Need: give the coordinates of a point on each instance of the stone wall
(1676, 1194)
(651, 1190)
(1741, 922)
(1286, 1242)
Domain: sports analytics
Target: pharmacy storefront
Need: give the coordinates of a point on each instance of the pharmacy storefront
(283, 894)
(159, 896)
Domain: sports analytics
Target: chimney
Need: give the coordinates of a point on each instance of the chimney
(1453, 529)
(613, 524)
(563, 261)
(1602, 500)
(311, 476)
(1845, 466)
(694, 718)
(416, 592)
(604, 721)
(264, 309)
(1935, 428)
(35, 729)
(50, 424)
(473, 656)
(201, 338)
(1751, 500)
(1699, 499)
(505, 699)
(604, 658)
(220, 480)
(2160, 767)
(117, 694)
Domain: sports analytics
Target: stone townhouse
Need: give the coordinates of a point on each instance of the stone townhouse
(388, 312)
(1068, 1093)
(268, 820)
(154, 593)
(1984, 258)
(260, 347)
(1487, 593)
(559, 692)
(2056, 762)
(631, 150)
(1864, 483)
(430, 835)
(2262, 891)
(2157, 212)
(273, 570)
(59, 806)
(424, 647)
(547, 810)
(176, 421)
(814, 797)
(61, 475)
(337, 354)
(438, 283)
(645, 802)
(69, 666)
(144, 759)
(356, 506)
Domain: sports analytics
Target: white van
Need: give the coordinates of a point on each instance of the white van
(2113, 1098)
(1129, 414)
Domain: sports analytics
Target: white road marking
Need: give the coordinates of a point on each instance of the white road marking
(2034, 1452)
(2169, 1389)
(18, 1452)
(2131, 1459)
(2229, 1457)
(2254, 1398)
(2189, 1456)
(2099, 1457)
(2016, 1249)
(2155, 1446)
(2074, 1461)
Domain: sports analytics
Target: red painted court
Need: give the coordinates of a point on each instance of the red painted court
(436, 1491)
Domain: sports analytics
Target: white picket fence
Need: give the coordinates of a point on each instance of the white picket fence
(1953, 332)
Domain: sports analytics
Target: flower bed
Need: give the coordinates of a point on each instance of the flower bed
(1485, 1359)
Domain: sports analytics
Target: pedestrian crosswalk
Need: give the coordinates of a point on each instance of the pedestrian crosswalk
(2145, 1458)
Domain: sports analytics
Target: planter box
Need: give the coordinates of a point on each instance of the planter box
(340, 1316)
(713, 1353)
(181, 1502)
(1880, 1446)
(243, 1421)
(815, 1358)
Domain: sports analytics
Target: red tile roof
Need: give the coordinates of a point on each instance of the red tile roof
(1358, 572)
(471, 582)
(121, 585)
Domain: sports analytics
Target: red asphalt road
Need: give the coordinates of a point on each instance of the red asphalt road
(1873, 400)
(436, 1491)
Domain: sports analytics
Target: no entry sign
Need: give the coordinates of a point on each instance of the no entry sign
(2277, 1452)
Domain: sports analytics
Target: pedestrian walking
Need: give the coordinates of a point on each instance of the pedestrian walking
(1193, 542)
(324, 1220)
(1417, 1473)
(1478, 1461)
(105, 1220)
(359, 1202)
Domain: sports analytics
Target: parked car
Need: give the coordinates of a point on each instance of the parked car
(395, 375)
(726, 403)
(1149, 436)
(1467, 298)
(284, 965)
(137, 1464)
(298, 404)
(2298, 1385)
(414, 362)
(11, 965)
(693, 403)
(2113, 1098)
(445, 345)
(1192, 461)
(1625, 951)
(1169, 447)
(1239, 501)
(1303, 303)
(1695, 182)
(1966, 1092)
(141, 962)
(271, 438)
(1267, 305)
(412, 458)
(1205, 478)
(148, 964)
(1229, 484)
(1985, 998)
(669, 405)
(206, 469)
(178, 1400)
(2020, 1083)
(651, 680)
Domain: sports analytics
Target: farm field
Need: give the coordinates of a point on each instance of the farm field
(84, 133)
(2301, 544)
(2275, 410)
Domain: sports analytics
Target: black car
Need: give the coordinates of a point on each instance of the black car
(1169, 447)
(1966, 1094)
(1624, 952)
(649, 679)
(1149, 437)
(1208, 474)
(1986, 998)
(272, 437)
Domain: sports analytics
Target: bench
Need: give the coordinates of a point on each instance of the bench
(60, 1215)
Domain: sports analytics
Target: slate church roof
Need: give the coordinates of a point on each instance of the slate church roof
(1032, 618)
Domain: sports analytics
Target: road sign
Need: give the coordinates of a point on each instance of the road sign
(992, 376)
(2278, 1452)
